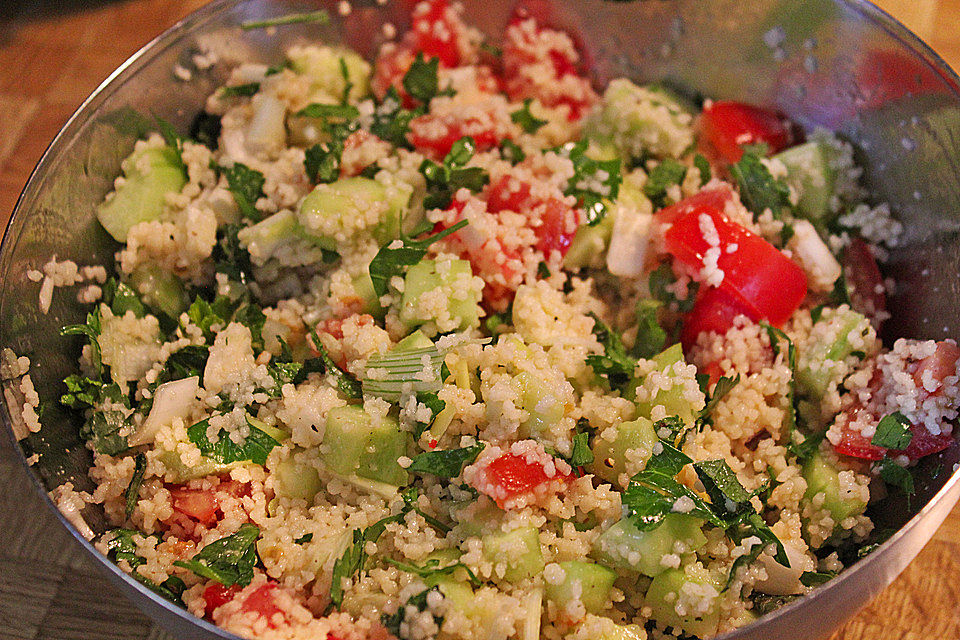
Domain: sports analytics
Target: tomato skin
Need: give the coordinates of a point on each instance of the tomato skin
(423, 137)
(714, 310)
(199, 504)
(553, 233)
(435, 32)
(922, 444)
(512, 475)
(726, 125)
(765, 282)
(860, 269)
(261, 600)
(941, 364)
(216, 595)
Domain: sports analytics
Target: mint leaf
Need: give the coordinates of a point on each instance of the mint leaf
(229, 560)
(255, 447)
(445, 464)
(893, 432)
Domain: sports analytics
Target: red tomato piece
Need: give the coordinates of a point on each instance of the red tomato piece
(391, 65)
(198, 504)
(864, 280)
(512, 476)
(726, 125)
(941, 364)
(765, 281)
(434, 135)
(507, 194)
(714, 310)
(216, 595)
(553, 233)
(922, 444)
(262, 601)
(435, 27)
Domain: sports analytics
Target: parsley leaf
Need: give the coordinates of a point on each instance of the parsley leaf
(581, 454)
(815, 578)
(594, 182)
(669, 172)
(255, 447)
(776, 338)
(327, 111)
(122, 298)
(304, 539)
(724, 386)
(391, 120)
(92, 331)
(432, 568)
(102, 429)
(347, 384)
(241, 90)
(421, 81)
(353, 558)
(246, 185)
(893, 473)
(759, 190)
(661, 278)
(133, 489)
(432, 402)
(445, 464)
(651, 337)
(703, 165)
(229, 560)
(444, 180)
(390, 262)
(616, 364)
(418, 601)
(527, 121)
(893, 432)
(511, 152)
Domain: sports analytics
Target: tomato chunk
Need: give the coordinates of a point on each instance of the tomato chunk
(262, 601)
(714, 310)
(923, 443)
(764, 282)
(436, 28)
(864, 280)
(727, 125)
(509, 476)
(199, 504)
(434, 135)
(215, 595)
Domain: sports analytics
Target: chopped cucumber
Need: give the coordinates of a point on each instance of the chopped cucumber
(810, 172)
(824, 477)
(150, 174)
(363, 287)
(478, 516)
(589, 245)
(671, 399)
(636, 437)
(297, 480)
(641, 120)
(323, 66)
(624, 632)
(694, 608)
(339, 210)
(820, 360)
(353, 444)
(625, 546)
(587, 582)
(178, 472)
(159, 289)
(441, 293)
(544, 409)
(519, 549)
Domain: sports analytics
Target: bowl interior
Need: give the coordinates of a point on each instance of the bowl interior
(842, 66)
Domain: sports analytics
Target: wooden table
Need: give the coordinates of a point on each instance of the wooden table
(52, 54)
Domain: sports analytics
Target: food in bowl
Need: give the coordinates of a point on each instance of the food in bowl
(452, 345)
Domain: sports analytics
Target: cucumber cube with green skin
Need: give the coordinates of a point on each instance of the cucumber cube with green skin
(588, 245)
(588, 582)
(478, 516)
(178, 472)
(823, 477)
(809, 171)
(297, 480)
(363, 287)
(624, 632)
(625, 546)
(159, 289)
(544, 410)
(519, 549)
(672, 399)
(610, 456)
(150, 174)
(673, 606)
(814, 373)
(640, 120)
(427, 276)
(354, 445)
(323, 66)
(330, 211)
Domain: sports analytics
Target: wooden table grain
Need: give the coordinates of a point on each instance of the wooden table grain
(52, 54)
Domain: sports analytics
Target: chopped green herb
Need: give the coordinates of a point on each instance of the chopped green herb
(581, 454)
(122, 298)
(347, 384)
(229, 560)
(616, 364)
(896, 475)
(444, 180)
(133, 489)
(527, 121)
(815, 578)
(392, 622)
(445, 464)
(724, 386)
(759, 190)
(255, 447)
(347, 82)
(511, 152)
(205, 129)
(421, 80)
(327, 111)
(103, 428)
(703, 165)
(246, 186)
(304, 539)
(661, 278)
(543, 271)
(432, 568)
(594, 182)
(893, 432)
(173, 140)
(432, 402)
(410, 497)
(92, 331)
(651, 337)
(666, 174)
(318, 17)
(353, 558)
(240, 90)
(391, 121)
(391, 262)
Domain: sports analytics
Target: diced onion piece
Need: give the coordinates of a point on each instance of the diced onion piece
(813, 256)
(267, 129)
(628, 243)
(171, 400)
(404, 371)
(781, 580)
